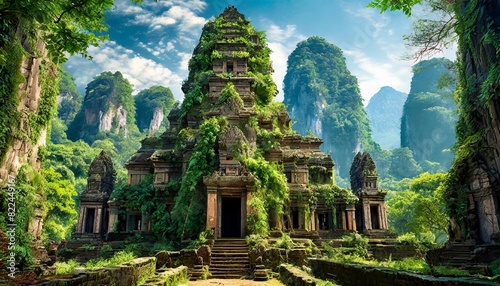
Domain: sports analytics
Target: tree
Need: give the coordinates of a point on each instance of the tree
(403, 165)
(421, 208)
(65, 26)
(60, 213)
(476, 25)
(70, 99)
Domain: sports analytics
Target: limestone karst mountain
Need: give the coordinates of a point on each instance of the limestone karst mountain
(384, 110)
(152, 107)
(322, 97)
(428, 121)
(69, 100)
(108, 106)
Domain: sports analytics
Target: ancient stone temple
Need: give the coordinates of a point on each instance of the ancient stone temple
(94, 212)
(371, 214)
(227, 82)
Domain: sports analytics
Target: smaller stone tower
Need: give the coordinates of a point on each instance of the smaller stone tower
(94, 213)
(371, 214)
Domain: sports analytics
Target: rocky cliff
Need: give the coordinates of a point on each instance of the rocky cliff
(384, 111)
(428, 120)
(153, 105)
(322, 97)
(108, 107)
(27, 104)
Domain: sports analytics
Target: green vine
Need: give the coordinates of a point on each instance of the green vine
(189, 212)
(229, 92)
(271, 192)
(11, 57)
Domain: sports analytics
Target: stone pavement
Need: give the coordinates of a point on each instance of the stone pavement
(233, 282)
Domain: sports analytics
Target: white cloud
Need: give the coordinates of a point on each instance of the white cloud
(170, 46)
(193, 5)
(282, 41)
(373, 73)
(189, 22)
(184, 64)
(141, 72)
(182, 15)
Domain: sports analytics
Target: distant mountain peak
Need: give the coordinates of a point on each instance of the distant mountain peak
(384, 111)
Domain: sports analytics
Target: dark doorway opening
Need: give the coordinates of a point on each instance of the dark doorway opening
(134, 222)
(295, 219)
(324, 221)
(89, 221)
(230, 67)
(374, 217)
(231, 217)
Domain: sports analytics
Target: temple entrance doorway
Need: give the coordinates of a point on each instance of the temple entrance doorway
(89, 220)
(231, 217)
(374, 217)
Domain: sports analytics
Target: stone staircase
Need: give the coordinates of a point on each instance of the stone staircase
(229, 259)
(457, 254)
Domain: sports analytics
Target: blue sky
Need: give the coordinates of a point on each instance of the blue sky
(152, 43)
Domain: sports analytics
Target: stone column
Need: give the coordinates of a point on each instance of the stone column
(81, 219)
(351, 217)
(113, 216)
(383, 217)
(312, 221)
(97, 220)
(211, 207)
(367, 217)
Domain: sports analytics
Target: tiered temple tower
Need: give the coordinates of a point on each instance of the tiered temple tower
(231, 186)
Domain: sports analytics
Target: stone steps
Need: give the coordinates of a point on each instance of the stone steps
(458, 255)
(229, 259)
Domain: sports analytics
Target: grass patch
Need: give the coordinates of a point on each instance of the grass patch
(408, 264)
(68, 267)
(449, 271)
(118, 258)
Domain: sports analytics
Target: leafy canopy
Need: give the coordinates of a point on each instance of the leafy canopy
(65, 26)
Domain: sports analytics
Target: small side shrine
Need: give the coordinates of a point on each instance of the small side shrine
(371, 213)
(94, 212)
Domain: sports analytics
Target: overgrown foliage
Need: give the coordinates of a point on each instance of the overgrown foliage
(200, 66)
(476, 26)
(189, 214)
(421, 209)
(146, 103)
(70, 98)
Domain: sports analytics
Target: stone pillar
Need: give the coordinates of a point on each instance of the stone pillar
(81, 219)
(351, 218)
(113, 216)
(383, 217)
(211, 207)
(312, 222)
(344, 215)
(97, 220)
(367, 217)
